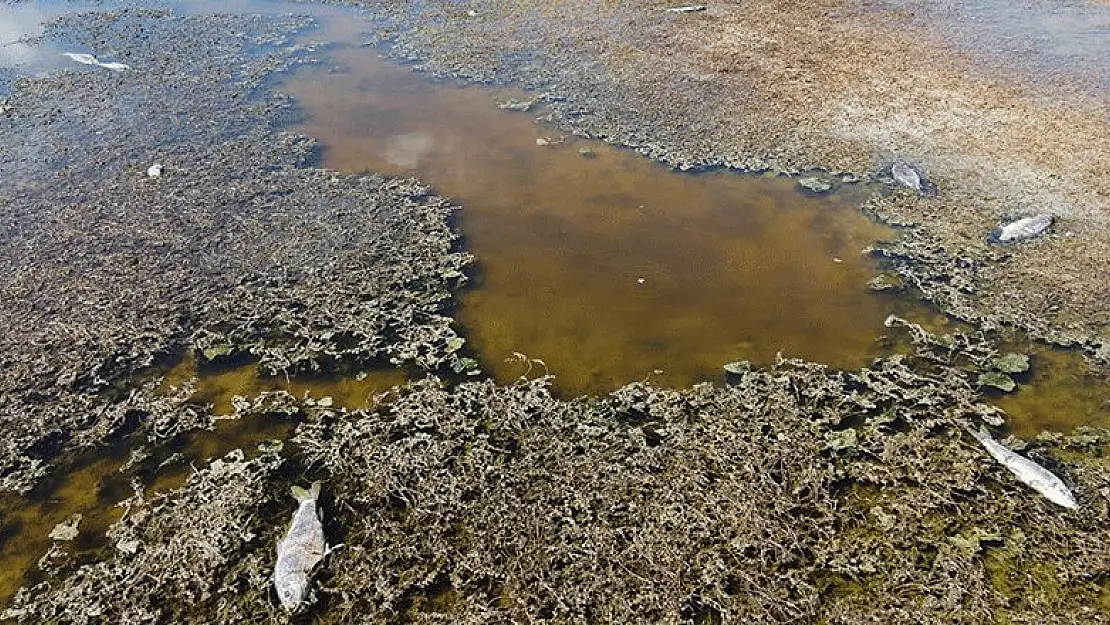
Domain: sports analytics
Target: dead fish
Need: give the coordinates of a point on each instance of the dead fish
(84, 59)
(88, 59)
(301, 550)
(690, 8)
(1028, 472)
(906, 175)
(115, 67)
(1022, 229)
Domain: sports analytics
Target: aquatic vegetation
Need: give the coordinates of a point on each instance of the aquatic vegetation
(774, 498)
(244, 249)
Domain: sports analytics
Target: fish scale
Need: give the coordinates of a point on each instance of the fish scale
(301, 550)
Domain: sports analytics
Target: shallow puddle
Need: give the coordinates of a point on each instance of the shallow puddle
(1059, 393)
(219, 386)
(607, 267)
(104, 478)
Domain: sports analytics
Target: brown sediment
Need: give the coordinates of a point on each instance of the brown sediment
(845, 86)
(607, 267)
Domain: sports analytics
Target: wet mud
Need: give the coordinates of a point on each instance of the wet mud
(790, 491)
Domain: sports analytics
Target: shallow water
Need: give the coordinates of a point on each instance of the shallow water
(1058, 394)
(104, 477)
(607, 267)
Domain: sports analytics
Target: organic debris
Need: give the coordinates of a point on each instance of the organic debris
(815, 184)
(193, 555)
(245, 249)
(478, 502)
(1011, 363)
(997, 380)
(785, 88)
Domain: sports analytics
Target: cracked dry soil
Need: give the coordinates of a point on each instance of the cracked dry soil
(796, 494)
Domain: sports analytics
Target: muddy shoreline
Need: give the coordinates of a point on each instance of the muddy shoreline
(831, 87)
(771, 499)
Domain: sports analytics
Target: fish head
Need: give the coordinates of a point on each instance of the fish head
(291, 590)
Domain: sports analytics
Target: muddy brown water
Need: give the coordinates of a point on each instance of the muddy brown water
(605, 266)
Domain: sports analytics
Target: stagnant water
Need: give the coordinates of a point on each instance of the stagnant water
(604, 265)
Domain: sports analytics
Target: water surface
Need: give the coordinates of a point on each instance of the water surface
(607, 267)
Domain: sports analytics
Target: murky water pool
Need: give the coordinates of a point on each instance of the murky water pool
(1059, 393)
(97, 482)
(607, 267)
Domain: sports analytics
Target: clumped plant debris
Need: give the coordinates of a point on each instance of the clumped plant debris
(239, 247)
(845, 87)
(795, 494)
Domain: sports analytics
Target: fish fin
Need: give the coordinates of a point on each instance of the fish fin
(981, 435)
(309, 494)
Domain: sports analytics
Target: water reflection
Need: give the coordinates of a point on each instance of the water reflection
(606, 266)
(19, 25)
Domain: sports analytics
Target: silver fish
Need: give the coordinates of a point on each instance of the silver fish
(1028, 472)
(115, 67)
(301, 550)
(88, 59)
(905, 175)
(84, 59)
(1022, 229)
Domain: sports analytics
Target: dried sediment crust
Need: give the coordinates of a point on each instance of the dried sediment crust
(841, 86)
(798, 494)
(239, 243)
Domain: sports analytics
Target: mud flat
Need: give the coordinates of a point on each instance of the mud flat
(841, 86)
(795, 493)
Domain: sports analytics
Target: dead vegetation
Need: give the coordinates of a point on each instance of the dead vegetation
(170, 555)
(842, 86)
(795, 495)
(239, 246)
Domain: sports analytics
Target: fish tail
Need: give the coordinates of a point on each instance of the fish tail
(310, 494)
